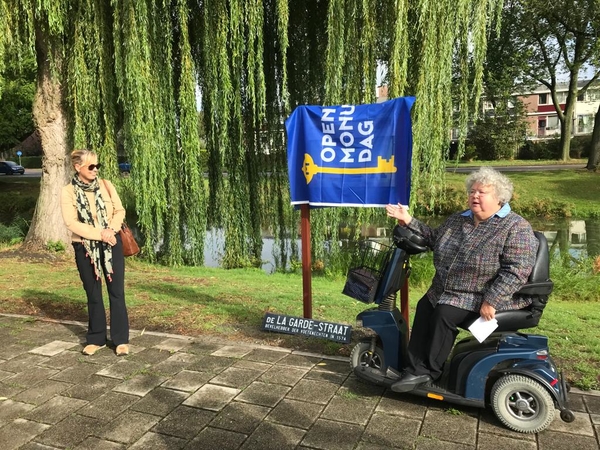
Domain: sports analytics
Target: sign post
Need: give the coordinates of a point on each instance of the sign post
(306, 261)
(19, 153)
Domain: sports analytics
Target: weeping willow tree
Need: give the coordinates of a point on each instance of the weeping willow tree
(109, 72)
(121, 77)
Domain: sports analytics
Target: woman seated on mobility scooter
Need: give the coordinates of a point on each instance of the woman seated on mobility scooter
(482, 256)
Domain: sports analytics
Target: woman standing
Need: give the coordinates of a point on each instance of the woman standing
(92, 211)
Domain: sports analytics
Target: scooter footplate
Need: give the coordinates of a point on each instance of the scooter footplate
(373, 375)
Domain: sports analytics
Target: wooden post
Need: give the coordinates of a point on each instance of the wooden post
(306, 261)
(404, 306)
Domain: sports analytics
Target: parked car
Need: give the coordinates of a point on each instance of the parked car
(10, 168)
(124, 167)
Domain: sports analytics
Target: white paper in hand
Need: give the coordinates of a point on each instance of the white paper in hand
(482, 328)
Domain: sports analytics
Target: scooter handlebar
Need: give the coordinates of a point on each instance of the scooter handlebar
(408, 240)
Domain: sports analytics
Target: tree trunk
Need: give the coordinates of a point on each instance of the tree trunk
(566, 129)
(594, 158)
(50, 121)
(562, 237)
(592, 234)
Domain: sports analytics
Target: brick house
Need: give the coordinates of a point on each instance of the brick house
(542, 119)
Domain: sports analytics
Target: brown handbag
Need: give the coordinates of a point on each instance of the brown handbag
(130, 246)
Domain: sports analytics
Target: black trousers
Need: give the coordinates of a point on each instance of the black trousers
(432, 336)
(119, 322)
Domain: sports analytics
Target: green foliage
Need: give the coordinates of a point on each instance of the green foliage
(454, 200)
(422, 271)
(18, 199)
(16, 98)
(580, 146)
(470, 153)
(543, 207)
(499, 135)
(447, 40)
(13, 233)
(55, 246)
(542, 150)
(556, 42)
(31, 162)
(129, 71)
(575, 279)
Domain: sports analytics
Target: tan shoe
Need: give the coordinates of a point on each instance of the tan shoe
(122, 350)
(90, 349)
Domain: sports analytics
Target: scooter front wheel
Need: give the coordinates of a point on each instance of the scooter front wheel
(522, 404)
(363, 356)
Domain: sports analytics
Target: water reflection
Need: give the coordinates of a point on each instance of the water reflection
(577, 237)
(215, 243)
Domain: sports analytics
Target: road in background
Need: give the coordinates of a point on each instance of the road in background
(532, 168)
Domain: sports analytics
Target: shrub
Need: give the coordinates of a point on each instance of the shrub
(31, 162)
(422, 271)
(15, 205)
(454, 200)
(12, 233)
(546, 149)
(470, 153)
(499, 136)
(574, 278)
(580, 146)
(542, 207)
(56, 246)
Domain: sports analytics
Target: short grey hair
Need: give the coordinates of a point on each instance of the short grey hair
(487, 176)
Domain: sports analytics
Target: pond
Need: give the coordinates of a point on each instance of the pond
(578, 237)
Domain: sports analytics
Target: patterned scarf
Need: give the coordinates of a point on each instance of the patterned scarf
(84, 212)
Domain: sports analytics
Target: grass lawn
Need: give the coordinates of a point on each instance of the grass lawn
(232, 304)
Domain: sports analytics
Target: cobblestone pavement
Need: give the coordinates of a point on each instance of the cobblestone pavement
(176, 392)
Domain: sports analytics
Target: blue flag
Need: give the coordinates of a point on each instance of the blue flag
(350, 155)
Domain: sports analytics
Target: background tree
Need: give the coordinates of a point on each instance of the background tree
(500, 133)
(560, 40)
(594, 150)
(500, 128)
(130, 68)
(16, 100)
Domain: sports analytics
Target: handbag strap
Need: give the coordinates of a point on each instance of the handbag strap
(123, 224)
(106, 187)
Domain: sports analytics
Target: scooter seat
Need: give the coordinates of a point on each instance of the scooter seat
(536, 290)
(515, 320)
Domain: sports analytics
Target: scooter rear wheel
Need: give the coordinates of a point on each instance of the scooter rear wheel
(363, 357)
(522, 404)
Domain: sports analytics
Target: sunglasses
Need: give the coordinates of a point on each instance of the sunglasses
(94, 166)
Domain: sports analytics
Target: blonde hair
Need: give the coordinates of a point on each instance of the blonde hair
(81, 156)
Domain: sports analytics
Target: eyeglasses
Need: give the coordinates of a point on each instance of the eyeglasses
(475, 192)
(94, 166)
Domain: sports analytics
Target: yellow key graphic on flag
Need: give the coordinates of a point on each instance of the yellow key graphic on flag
(310, 169)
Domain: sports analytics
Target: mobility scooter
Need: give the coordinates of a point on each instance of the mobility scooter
(511, 371)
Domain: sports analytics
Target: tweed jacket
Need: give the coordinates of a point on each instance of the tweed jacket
(473, 264)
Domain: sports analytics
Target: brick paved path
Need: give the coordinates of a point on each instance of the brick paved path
(175, 392)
